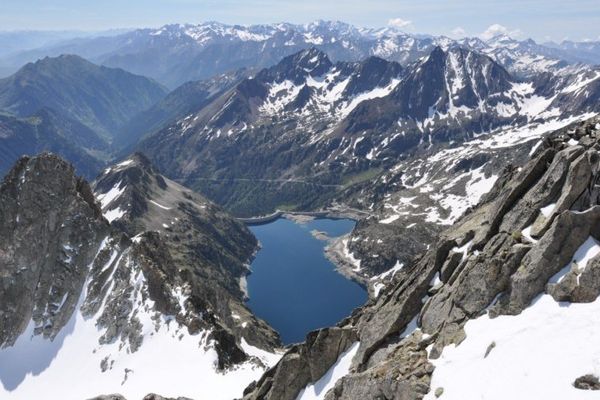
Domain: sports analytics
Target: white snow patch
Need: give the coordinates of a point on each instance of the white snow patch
(527, 234)
(350, 257)
(377, 288)
(588, 250)
(160, 205)
(378, 92)
(390, 272)
(319, 389)
(537, 355)
(108, 197)
(535, 147)
(548, 210)
(389, 219)
(124, 163)
(114, 214)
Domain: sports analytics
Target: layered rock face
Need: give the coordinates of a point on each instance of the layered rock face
(536, 233)
(51, 230)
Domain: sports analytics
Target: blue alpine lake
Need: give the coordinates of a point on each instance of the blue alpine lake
(293, 286)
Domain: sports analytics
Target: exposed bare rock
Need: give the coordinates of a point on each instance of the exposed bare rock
(404, 374)
(50, 230)
(547, 257)
(302, 364)
(577, 286)
(109, 397)
(491, 261)
(587, 382)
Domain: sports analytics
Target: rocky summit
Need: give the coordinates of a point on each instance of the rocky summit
(51, 230)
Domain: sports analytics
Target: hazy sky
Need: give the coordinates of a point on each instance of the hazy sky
(539, 19)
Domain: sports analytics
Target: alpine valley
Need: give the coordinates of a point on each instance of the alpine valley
(134, 161)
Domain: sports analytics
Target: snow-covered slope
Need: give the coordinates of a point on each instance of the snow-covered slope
(540, 352)
(165, 358)
(135, 307)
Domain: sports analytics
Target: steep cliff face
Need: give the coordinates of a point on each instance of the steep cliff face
(135, 300)
(482, 308)
(51, 229)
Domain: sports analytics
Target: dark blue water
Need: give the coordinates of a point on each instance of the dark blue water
(293, 286)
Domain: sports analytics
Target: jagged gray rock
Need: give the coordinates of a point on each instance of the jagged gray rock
(302, 364)
(178, 264)
(501, 271)
(547, 257)
(183, 241)
(50, 231)
(587, 382)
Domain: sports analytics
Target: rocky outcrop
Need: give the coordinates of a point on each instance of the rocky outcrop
(144, 261)
(50, 231)
(185, 242)
(587, 382)
(150, 396)
(492, 261)
(302, 364)
(547, 257)
(578, 286)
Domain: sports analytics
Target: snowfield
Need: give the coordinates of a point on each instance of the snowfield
(535, 355)
(170, 361)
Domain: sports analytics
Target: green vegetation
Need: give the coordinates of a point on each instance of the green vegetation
(360, 177)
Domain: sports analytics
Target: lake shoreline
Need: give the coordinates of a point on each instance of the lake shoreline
(291, 264)
(335, 252)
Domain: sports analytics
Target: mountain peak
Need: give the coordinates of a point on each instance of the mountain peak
(311, 59)
(63, 59)
(437, 53)
(296, 67)
(42, 201)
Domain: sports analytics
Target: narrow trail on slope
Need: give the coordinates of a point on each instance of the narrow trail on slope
(269, 180)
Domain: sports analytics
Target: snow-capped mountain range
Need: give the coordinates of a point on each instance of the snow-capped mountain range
(466, 163)
(316, 124)
(174, 54)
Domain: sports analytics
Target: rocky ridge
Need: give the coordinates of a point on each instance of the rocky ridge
(206, 252)
(184, 52)
(51, 230)
(299, 133)
(523, 241)
(117, 293)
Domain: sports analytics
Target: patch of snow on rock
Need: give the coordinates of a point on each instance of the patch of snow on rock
(317, 390)
(539, 353)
